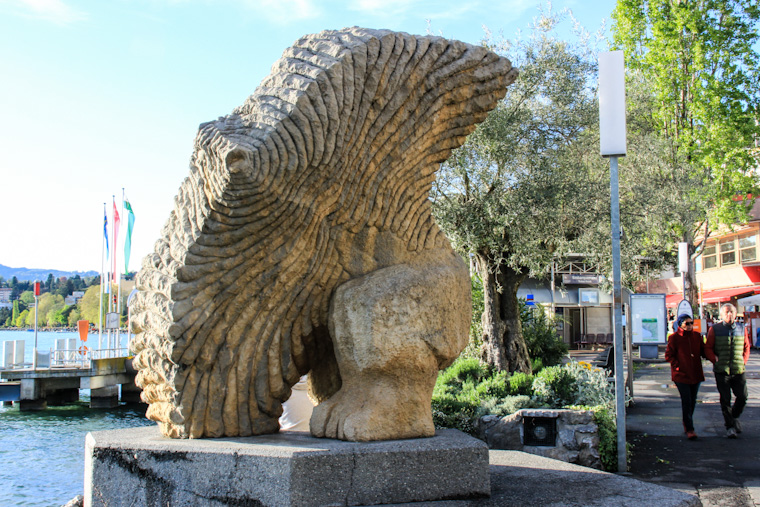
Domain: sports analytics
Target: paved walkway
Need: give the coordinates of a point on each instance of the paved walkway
(720, 471)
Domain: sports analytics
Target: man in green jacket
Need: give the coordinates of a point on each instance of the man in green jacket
(728, 349)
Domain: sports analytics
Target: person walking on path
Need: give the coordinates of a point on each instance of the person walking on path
(728, 349)
(684, 352)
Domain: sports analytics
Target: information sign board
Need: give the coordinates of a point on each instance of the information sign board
(112, 320)
(648, 319)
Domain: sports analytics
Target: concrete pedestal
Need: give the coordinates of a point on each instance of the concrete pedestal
(138, 466)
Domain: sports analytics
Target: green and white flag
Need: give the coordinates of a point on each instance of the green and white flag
(128, 240)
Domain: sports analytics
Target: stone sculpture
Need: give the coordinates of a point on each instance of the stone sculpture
(302, 241)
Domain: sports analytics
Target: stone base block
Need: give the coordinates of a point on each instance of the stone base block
(140, 467)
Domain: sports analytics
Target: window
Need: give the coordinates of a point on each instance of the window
(748, 248)
(728, 252)
(709, 259)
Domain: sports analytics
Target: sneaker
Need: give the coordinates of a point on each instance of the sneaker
(691, 435)
(737, 426)
(731, 433)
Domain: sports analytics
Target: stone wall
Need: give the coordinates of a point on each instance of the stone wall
(577, 435)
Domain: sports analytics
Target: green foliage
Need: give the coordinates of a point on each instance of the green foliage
(521, 384)
(452, 413)
(467, 391)
(89, 305)
(555, 386)
(545, 347)
(604, 417)
(74, 316)
(507, 405)
(15, 312)
(693, 97)
(497, 386)
(5, 315)
(515, 195)
(21, 319)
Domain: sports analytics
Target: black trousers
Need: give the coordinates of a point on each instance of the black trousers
(688, 394)
(726, 385)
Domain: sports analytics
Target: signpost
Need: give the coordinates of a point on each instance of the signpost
(36, 307)
(613, 145)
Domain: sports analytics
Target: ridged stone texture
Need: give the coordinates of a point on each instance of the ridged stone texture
(302, 241)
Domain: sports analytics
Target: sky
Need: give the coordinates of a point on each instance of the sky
(99, 96)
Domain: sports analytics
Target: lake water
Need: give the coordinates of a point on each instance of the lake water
(42, 453)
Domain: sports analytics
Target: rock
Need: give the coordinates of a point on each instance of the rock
(77, 501)
(306, 211)
(577, 435)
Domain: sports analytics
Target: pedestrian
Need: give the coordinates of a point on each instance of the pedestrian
(728, 349)
(684, 352)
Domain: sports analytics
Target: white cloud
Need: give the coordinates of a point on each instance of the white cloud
(284, 11)
(55, 11)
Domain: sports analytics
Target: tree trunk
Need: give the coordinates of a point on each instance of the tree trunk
(692, 288)
(504, 347)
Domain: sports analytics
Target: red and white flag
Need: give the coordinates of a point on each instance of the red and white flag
(115, 236)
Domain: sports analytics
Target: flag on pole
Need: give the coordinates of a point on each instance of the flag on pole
(128, 238)
(115, 236)
(105, 229)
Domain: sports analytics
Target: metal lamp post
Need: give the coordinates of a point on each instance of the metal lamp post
(36, 314)
(613, 145)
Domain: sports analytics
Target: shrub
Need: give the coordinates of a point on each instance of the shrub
(496, 386)
(593, 388)
(545, 347)
(521, 384)
(555, 387)
(468, 390)
(507, 405)
(452, 413)
(604, 417)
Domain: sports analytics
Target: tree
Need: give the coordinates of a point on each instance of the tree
(699, 64)
(5, 315)
(47, 305)
(50, 282)
(89, 305)
(16, 312)
(74, 316)
(21, 319)
(27, 297)
(77, 282)
(516, 194)
(65, 288)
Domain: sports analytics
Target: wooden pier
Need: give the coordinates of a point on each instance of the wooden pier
(36, 389)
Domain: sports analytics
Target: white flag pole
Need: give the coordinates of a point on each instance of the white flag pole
(102, 281)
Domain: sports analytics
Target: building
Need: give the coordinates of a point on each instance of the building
(5, 297)
(584, 312)
(727, 270)
(74, 298)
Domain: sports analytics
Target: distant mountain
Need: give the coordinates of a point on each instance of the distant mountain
(40, 274)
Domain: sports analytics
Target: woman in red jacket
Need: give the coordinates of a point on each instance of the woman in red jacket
(685, 351)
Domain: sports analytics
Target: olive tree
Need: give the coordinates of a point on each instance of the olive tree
(516, 194)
